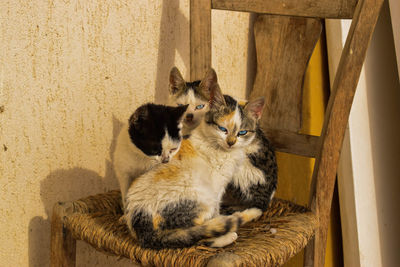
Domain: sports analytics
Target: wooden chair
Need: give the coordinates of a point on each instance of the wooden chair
(282, 88)
(284, 45)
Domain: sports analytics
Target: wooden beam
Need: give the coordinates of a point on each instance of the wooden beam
(200, 38)
(294, 143)
(336, 118)
(63, 245)
(341, 9)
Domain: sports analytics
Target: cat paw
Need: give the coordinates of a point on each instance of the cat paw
(222, 241)
(251, 214)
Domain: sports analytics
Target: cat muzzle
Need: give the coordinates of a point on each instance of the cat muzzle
(164, 159)
(189, 117)
(230, 143)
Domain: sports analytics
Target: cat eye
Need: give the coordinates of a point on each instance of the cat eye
(243, 132)
(173, 149)
(200, 106)
(180, 105)
(223, 129)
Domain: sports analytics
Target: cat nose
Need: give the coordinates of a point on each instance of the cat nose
(231, 141)
(189, 117)
(165, 160)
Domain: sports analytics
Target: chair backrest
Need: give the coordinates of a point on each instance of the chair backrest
(284, 46)
(288, 42)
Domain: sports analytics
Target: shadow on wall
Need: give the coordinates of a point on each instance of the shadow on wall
(251, 56)
(383, 96)
(175, 38)
(66, 185)
(172, 39)
(75, 183)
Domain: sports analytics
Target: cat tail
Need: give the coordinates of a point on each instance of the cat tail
(216, 232)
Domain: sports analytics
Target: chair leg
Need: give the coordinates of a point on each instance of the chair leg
(314, 253)
(63, 245)
(309, 254)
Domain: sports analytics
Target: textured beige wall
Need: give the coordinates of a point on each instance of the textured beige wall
(70, 73)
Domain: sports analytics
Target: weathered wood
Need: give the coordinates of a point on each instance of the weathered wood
(308, 258)
(200, 38)
(342, 9)
(224, 260)
(283, 46)
(289, 142)
(336, 118)
(63, 245)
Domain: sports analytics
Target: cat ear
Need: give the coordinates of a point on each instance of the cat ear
(209, 81)
(176, 81)
(179, 111)
(216, 98)
(254, 107)
(209, 86)
(140, 113)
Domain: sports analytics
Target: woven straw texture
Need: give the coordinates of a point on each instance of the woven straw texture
(97, 220)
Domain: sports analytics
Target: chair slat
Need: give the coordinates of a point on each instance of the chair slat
(340, 9)
(283, 46)
(200, 38)
(289, 142)
(336, 118)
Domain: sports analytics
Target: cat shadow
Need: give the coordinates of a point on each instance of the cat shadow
(70, 184)
(66, 185)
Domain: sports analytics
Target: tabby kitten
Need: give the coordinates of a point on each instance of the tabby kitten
(177, 204)
(152, 136)
(254, 184)
(194, 94)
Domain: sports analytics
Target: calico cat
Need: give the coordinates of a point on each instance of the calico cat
(255, 183)
(194, 94)
(152, 136)
(177, 204)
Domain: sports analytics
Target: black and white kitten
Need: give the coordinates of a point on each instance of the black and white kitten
(152, 136)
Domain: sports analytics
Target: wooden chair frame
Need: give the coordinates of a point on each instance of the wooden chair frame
(326, 148)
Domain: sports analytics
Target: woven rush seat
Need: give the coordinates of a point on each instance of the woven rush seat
(98, 221)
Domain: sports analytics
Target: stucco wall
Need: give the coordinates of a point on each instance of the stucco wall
(70, 73)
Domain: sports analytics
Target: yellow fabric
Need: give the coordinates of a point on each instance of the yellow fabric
(295, 171)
